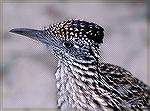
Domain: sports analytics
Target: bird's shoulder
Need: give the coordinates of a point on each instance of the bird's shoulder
(121, 86)
(119, 76)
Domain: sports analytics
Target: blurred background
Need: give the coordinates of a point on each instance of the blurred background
(28, 68)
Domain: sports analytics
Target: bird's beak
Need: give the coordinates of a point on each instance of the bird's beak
(31, 33)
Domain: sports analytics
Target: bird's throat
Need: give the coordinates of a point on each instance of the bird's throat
(72, 78)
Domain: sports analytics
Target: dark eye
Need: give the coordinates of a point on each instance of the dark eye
(68, 44)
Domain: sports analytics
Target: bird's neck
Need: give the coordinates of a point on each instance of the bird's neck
(72, 77)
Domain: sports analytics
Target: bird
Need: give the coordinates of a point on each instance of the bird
(83, 81)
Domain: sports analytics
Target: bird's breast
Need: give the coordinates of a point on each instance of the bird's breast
(75, 87)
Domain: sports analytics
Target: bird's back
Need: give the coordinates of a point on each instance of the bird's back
(123, 91)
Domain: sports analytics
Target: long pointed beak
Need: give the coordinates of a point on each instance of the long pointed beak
(31, 33)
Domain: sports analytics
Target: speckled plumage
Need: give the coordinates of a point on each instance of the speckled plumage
(83, 81)
(70, 29)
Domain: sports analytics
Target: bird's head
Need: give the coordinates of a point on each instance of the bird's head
(71, 38)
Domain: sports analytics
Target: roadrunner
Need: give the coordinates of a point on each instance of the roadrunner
(83, 81)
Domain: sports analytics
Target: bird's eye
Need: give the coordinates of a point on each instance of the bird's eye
(68, 44)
